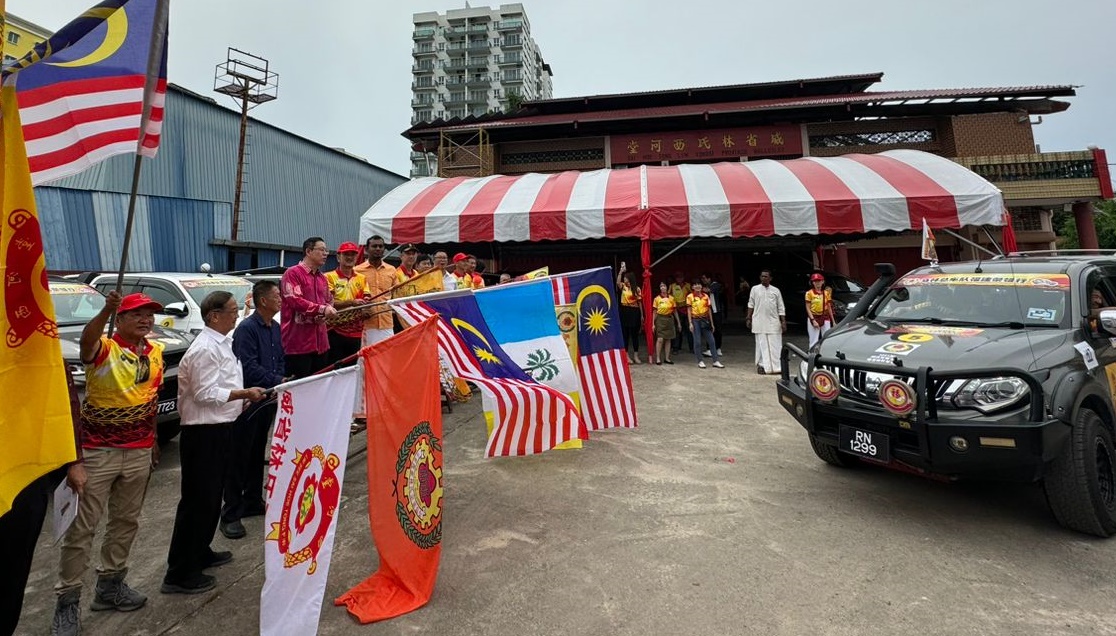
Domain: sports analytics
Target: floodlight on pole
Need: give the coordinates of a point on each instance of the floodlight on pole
(250, 82)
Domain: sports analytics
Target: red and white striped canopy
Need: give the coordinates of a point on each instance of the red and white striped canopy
(850, 194)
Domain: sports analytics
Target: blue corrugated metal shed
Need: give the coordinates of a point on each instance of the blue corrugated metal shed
(83, 231)
(295, 187)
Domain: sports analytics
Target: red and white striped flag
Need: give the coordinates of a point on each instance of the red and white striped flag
(590, 322)
(528, 417)
(87, 92)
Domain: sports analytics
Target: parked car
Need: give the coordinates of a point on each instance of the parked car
(75, 304)
(180, 294)
(1001, 369)
(846, 293)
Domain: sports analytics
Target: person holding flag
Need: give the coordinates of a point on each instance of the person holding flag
(349, 290)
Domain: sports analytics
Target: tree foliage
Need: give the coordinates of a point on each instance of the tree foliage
(1065, 225)
(515, 101)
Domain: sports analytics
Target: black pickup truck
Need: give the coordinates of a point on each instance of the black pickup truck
(1002, 370)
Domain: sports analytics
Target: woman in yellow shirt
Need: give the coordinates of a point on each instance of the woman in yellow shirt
(631, 313)
(701, 324)
(819, 308)
(666, 324)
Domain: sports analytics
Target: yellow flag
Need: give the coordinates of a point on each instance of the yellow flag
(35, 427)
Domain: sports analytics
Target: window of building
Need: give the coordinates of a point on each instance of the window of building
(8, 59)
(13, 37)
(457, 112)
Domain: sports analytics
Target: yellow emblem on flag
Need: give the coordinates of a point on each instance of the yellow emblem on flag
(35, 419)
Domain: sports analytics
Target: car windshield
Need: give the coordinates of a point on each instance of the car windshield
(199, 288)
(1033, 300)
(74, 303)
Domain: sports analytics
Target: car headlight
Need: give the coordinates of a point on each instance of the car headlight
(803, 367)
(990, 394)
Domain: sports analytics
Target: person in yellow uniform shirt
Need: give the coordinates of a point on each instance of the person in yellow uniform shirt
(701, 324)
(349, 289)
(631, 313)
(679, 289)
(819, 308)
(666, 323)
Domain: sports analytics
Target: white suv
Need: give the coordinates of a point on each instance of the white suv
(179, 294)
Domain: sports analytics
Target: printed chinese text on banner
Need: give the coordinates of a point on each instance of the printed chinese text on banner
(929, 245)
(521, 316)
(529, 417)
(35, 419)
(586, 307)
(86, 93)
(405, 494)
(305, 473)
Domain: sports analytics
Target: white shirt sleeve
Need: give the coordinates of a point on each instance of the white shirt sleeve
(207, 389)
(779, 303)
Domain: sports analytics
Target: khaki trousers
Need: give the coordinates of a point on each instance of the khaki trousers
(117, 478)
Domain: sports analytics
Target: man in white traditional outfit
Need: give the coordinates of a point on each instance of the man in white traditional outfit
(767, 318)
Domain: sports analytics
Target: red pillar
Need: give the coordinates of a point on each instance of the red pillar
(1086, 229)
(648, 315)
(842, 257)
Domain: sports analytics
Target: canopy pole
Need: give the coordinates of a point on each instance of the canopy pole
(992, 240)
(648, 315)
(965, 240)
(667, 255)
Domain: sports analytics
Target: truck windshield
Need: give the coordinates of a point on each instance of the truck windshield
(1037, 300)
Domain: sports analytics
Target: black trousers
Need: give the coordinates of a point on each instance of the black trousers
(19, 531)
(203, 449)
(684, 334)
(629, 326)
(341, 347)
(301, 365)
(718, 327)
(244, 472)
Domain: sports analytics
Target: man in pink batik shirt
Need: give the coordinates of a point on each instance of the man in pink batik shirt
(306, 303)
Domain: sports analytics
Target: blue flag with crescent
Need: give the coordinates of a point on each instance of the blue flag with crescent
(91, 89)
(465, 316)
(598, 311)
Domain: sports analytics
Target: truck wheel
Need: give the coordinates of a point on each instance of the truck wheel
(830, 455)
(1080, 484)
(166, 431)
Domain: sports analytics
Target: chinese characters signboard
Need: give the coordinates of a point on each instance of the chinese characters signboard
(728, 143)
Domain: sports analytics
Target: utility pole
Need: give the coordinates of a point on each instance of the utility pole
(249, 81)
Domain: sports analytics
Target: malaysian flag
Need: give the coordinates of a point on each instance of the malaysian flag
(528, 417)
(87, 92)
(586, 308)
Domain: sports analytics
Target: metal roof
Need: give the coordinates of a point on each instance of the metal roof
(295, 187)
(945, 96)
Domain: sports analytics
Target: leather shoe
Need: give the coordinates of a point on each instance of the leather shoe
(216, 558)
(256, 510)
(233, 530)
(194, 585)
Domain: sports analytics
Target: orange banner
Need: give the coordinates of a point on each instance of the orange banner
(401, 387)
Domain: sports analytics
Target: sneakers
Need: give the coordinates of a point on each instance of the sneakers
(112, 593)
(719, 354)
(701, 365)
(194, 585)
(707, 354)
(718, 365)
(233, 530)
(67, 615)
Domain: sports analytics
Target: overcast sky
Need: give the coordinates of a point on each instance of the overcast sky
(345, 65)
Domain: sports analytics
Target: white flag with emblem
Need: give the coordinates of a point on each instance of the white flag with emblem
(305, 473)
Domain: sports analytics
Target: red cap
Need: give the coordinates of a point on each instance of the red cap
(814, 277)
(348, 246)
(132, 302)
(460, 256)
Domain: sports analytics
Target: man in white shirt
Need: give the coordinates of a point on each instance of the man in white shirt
(767, 318)
(441, 261)
(210, 397)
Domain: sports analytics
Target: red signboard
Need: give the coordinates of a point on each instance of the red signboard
(726, 143)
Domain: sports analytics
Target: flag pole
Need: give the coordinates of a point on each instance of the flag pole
(156, 53)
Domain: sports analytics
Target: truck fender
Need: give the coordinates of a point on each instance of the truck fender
(1074, 389)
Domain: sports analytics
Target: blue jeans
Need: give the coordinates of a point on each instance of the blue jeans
(703, 330)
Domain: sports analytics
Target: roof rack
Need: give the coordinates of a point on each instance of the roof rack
(1078, 252)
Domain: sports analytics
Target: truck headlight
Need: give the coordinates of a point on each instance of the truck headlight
(803, 367)
(990, 394)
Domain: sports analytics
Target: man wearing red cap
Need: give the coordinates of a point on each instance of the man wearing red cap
(123, 375)
(461, 274)
(349, 289)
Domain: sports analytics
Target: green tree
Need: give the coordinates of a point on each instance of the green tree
(515, 101)
(1065, 226)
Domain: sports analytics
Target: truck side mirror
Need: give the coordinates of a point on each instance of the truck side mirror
(1108, 321)
(178, 310)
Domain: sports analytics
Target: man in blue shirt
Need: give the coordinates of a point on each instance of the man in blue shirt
(258, 345)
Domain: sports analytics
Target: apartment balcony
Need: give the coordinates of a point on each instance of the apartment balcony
(480, 46)
(455, 99)
(455, 81)
(480, 61)
(478, 97)
(456, 50)
(455, 33)
(483, 80)
(507, 60)
(423, 68)
(512, 42)
(511, 79)
(424, 51)
(1048, 178)
(509, 25)
(422, 103)
(455, 63)
(478, 28)
(425, 33)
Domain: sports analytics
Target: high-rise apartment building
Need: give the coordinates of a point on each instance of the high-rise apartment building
(473, 61)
